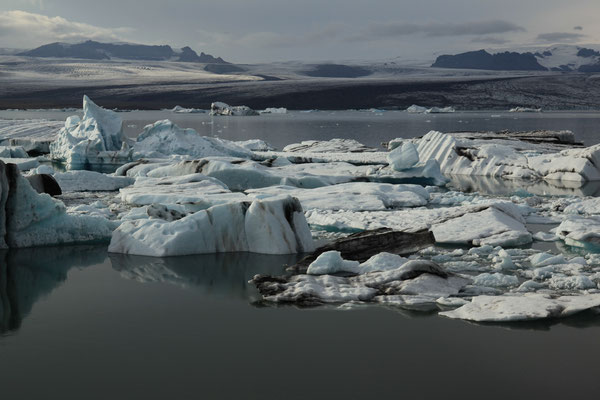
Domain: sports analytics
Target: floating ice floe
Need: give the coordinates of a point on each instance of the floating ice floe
(32, 219)
(580, 232)
(97, 139)
(328, 146)
(274, 226)
(409, 284)
(499, 225)
(510, 308)
(220, 108)
(358, 196)
(496, 224)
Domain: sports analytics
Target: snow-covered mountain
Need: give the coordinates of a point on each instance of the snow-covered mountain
(564, 58)
(569, 58)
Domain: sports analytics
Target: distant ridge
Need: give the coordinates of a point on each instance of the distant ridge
(507, 61)
(92, 50)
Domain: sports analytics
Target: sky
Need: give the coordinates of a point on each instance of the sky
(251, 31)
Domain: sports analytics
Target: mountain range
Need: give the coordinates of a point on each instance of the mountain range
(92, 50)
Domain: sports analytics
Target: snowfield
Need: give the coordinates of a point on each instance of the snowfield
(486, 257)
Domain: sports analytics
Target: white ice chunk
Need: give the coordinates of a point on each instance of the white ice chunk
(490, 226)
(496, 280)
(331, 262)
(403, 157)
(580, 231)
(274, 226)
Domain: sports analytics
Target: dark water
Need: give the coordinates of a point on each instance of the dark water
(80, 324)
(370, 128)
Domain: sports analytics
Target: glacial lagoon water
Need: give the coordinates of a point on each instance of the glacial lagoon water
(369, 127)
(76, 322)
(80, 323)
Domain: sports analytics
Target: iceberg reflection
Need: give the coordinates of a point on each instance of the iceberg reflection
(28, 275)
(225, 274)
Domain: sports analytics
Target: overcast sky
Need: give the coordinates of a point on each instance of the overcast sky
(309, 30)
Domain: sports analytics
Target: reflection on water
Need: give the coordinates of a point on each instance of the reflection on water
(501, 187)
(223, 274)
(27, 275)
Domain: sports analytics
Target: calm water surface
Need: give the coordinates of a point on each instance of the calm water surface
(78, 323)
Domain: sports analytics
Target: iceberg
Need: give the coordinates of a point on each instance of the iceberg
(95, 140)
(29, 219)
(220, 108)
(509, 158)
(182, 110)
(164, 139)
(273, 226)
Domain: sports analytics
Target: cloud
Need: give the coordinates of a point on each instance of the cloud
(396, 29)
(560, 37)
(325, 34)
(21, 29)
(489, 40)
(578, 28)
